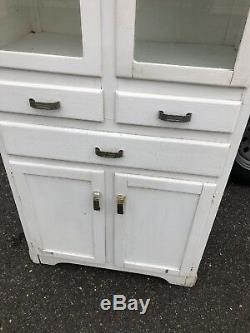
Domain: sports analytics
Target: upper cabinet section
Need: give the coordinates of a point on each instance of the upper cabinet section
(200, 41)
(61, 36)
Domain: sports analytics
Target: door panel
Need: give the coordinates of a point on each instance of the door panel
(58, 208)
(201, 42)
(159, 214)
(51, 35)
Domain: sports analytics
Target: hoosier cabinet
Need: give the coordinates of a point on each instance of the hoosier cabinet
(119, 123)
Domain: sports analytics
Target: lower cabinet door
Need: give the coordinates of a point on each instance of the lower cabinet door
(63, 209)
(159, 221)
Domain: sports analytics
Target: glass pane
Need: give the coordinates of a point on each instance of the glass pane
(203, 33)
(41, 26)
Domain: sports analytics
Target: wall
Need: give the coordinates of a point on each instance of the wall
(191, 21)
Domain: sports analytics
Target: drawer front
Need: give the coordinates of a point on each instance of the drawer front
(177, 155)
(176, 112)
(52, 101)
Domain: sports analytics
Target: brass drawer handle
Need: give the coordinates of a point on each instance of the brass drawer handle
(44, 106)
(108, 154)
(96, 201)
(120, 203)
(175, 118)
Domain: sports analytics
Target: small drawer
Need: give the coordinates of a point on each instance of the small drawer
(52, 101)
(176, 112)
(124, 150)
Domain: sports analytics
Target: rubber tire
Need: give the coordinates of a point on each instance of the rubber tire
(240, 174)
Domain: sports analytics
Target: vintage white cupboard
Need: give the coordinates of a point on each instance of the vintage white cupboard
(119, 124)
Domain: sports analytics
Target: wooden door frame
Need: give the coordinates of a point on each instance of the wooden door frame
(89, 64)
(95, 177)
(126, 66)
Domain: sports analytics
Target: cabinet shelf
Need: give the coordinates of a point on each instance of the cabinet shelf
(185, 54)
(203, 33)
(48, 43)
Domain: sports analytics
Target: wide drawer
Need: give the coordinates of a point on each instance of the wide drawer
(177, 155)
(52, 101)
(176, 112)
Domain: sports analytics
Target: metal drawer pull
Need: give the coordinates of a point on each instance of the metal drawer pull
(175, 118)
(120, 203)
(96, 201)
(44, 106)
(108, 154)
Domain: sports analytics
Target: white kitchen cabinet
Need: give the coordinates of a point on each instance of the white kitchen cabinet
(51, 35)
(188, 41)
(64, 209)
(119, 125)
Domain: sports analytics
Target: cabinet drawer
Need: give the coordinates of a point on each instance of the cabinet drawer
(176, 112)
(52, 101)
(177, 155)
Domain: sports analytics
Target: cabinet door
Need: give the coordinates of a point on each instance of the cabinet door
(50, 35)
(58, 210)
(202, 41)
(160, 218)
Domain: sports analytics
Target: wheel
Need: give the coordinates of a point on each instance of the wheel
(241, 168)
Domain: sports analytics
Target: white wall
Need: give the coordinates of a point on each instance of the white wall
(14, 21)
(61, 16)
(191, 21)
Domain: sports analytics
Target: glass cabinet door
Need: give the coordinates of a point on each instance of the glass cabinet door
(191, 34)
(51, 28)
(200, 33)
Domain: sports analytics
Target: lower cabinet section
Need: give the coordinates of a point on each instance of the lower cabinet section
(157, 221)
(58, 209)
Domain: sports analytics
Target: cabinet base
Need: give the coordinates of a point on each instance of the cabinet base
(185, 281)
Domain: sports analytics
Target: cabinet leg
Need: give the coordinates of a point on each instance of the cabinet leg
(182, 280)
(33, 256)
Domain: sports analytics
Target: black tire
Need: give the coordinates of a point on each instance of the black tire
(240, 174)
(241, 169)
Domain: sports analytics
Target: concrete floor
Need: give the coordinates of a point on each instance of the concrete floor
(66, 298)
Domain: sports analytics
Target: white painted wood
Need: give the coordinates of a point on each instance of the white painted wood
(236, 139)
(242, 65)
(195, 157)
(48, 43)
(175, 164)
(206, 21)
(158, 217)
(49, 12)
(199, 224)
(45, 78)
(169, 48)
(183, 54)
(171, 277)
(56, 49)
(179, 89)
(35, 16)
(175, 73)
(58, 208)
(207, 114)
(125, 28)
(76, 102)
(33, 251)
